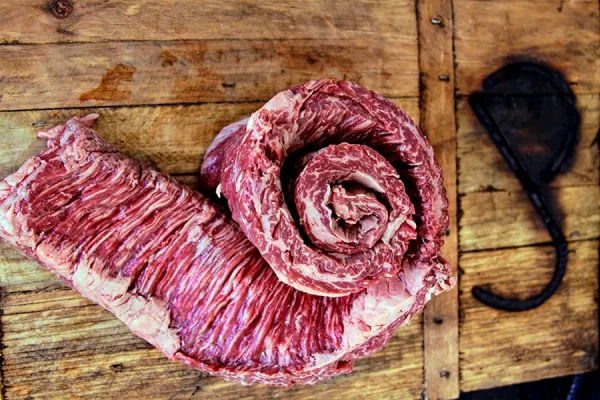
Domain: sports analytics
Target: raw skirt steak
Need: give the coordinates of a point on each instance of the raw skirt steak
(342, 250)
(359, 177)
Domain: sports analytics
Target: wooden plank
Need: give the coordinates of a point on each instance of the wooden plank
(26, 21)
(130, 73)
(559, 338)
(482, 168)
(19, 274)
(172, 138)
(563, 34)
(497, 219)
(436, 67)
(59, 344)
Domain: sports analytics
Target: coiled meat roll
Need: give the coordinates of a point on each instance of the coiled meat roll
(334, 184)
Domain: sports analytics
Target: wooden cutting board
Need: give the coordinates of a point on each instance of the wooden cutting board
(166, 75)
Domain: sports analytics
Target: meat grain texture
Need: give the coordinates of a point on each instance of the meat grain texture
(337, 216)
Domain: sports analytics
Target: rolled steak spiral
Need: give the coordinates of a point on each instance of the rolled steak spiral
(365, 195)
(180, 273)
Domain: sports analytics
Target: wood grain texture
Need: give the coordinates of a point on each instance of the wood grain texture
(563, 34)
(559, 338)
(25, 21)
(482, 168)
(438, 123)
(498, 219)
(172, 138)
(58, 345)
(130, 73)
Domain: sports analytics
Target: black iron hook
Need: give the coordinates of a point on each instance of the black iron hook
(511, 155)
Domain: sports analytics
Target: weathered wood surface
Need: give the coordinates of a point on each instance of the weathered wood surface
(558, 338)
(436, 66)
(130, 73)
(508, 219)
(25, 21)
(564, 34)
(168, 77)
(173, 138)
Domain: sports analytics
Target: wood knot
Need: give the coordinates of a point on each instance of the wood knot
(117, 367)
(61, 9)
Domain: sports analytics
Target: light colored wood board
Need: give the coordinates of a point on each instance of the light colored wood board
(482, 168)
(20, 274)
(492, 220)
(58, 344)
(438, 123)
(120, 20)
(563, 34)
(171, 138)
(498, 348)
(130, 73)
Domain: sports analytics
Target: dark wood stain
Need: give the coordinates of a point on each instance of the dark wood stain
(117, 367)
(110, 87)
(168, 59)
(63, 31)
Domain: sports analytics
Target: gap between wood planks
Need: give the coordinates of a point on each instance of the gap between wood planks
(437, 80)
(556, 339)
